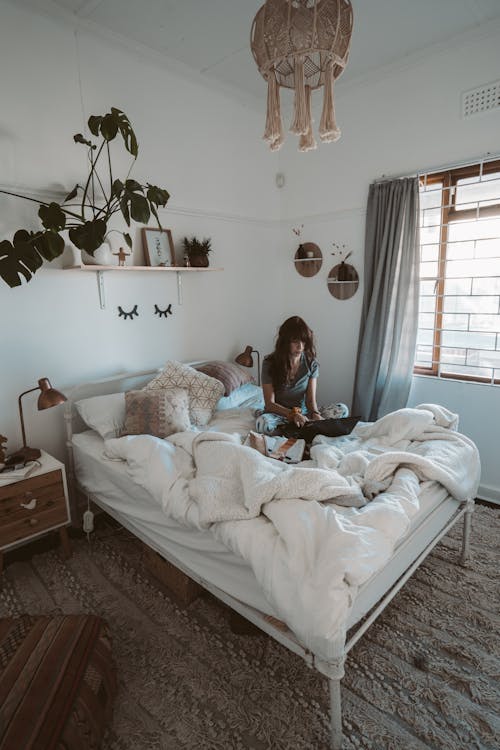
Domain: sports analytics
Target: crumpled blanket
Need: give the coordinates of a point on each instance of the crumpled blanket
(309, 555)
(233, 481)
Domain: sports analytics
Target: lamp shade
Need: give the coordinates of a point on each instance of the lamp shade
(301, 45)
(245, 358)
(49, 396)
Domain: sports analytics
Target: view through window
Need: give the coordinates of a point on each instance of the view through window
(459, 317)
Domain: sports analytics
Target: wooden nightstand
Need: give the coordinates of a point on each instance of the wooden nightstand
(33, 506)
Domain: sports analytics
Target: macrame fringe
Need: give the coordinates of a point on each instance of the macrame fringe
(274, 133)
(307, 142)
(328, 130)
(301, 120)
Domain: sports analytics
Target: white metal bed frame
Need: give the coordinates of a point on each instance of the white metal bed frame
(406, 559)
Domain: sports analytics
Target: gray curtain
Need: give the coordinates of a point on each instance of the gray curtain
(389, 317)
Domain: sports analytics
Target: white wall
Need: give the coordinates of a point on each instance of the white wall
(204, 148)
(398, 121)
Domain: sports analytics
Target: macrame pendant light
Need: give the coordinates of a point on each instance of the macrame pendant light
(301, 45)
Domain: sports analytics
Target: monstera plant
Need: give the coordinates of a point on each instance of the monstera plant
(86, 211)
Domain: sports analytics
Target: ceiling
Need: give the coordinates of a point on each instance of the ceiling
(211, 37)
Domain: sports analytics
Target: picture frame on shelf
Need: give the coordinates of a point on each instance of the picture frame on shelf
(158, 247)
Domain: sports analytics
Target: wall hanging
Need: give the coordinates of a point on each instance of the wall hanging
(86, 210)
(158, 247)
(128, 315)
(308, 258)
(343, 279)
(163, 313)
(301, 45)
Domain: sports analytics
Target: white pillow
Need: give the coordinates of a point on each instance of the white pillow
(104, 414)
(204, 391)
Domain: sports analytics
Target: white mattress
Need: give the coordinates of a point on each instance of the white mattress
(109, 483)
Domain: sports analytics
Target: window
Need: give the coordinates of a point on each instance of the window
(459, 315)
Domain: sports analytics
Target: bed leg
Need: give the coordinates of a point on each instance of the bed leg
(465, 556)
(335, 715)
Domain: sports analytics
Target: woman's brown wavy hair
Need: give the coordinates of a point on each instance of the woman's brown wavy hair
(293, 329)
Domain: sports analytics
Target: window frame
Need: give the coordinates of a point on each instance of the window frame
(449, 179)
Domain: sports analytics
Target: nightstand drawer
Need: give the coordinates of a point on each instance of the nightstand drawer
(31, 506)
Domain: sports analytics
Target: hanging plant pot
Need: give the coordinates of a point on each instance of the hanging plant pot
(198, 260)
(343, 272)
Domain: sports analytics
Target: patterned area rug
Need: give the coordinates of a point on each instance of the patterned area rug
(424, 676)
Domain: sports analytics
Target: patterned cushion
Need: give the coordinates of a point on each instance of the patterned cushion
(57, 682)
(156, 412)
(230, 374)
(204, 391)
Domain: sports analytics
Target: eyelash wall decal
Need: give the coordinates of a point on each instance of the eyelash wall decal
(163, 313)
(127, 315)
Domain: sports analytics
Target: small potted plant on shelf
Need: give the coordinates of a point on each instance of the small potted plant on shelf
(87, 209)
(196, 251)
(343, 254)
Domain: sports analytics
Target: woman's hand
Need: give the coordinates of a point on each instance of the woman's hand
(300, 419)
(315, 416)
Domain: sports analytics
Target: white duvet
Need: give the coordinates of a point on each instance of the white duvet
(284, 520)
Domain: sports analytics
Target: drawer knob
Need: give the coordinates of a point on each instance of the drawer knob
(32, 501)
(33, 521)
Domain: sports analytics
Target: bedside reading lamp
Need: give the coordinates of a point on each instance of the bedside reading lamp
(246, 359)
(48, 397)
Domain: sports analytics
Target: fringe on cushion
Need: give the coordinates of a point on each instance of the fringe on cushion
(328, 130)
(301, 120)
(274, 132)
(307, 142)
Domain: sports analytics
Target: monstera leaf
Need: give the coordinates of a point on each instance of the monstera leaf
(52, 217)
(109, 125)
(89, 236)
(26, 253)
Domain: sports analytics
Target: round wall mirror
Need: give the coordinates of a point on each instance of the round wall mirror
(343, 281)
(308, 259)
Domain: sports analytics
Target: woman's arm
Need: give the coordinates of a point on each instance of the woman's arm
(312, 407)
(271, 406)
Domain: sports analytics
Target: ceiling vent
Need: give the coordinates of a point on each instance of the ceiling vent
(482, 99)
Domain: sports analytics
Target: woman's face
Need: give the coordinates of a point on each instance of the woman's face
(296, 347)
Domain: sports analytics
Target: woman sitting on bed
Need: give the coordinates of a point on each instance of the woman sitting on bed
(289, 379)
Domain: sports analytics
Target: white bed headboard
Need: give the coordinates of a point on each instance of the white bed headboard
(124, 381)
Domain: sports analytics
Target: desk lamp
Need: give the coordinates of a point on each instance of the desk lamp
(246, 359)
(48, 397)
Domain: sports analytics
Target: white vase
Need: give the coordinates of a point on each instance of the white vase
(74, 255)
(101, 257)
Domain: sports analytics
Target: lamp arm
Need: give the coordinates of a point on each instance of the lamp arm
(21, 412)
(258, 365)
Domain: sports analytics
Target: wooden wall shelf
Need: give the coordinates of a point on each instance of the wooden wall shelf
(99, 271)
(308, 259)
(177, 269)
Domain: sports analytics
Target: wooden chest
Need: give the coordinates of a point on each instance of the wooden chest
(57, 682)
(32, 506)
(177, 583)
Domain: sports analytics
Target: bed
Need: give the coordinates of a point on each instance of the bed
(212, 562)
